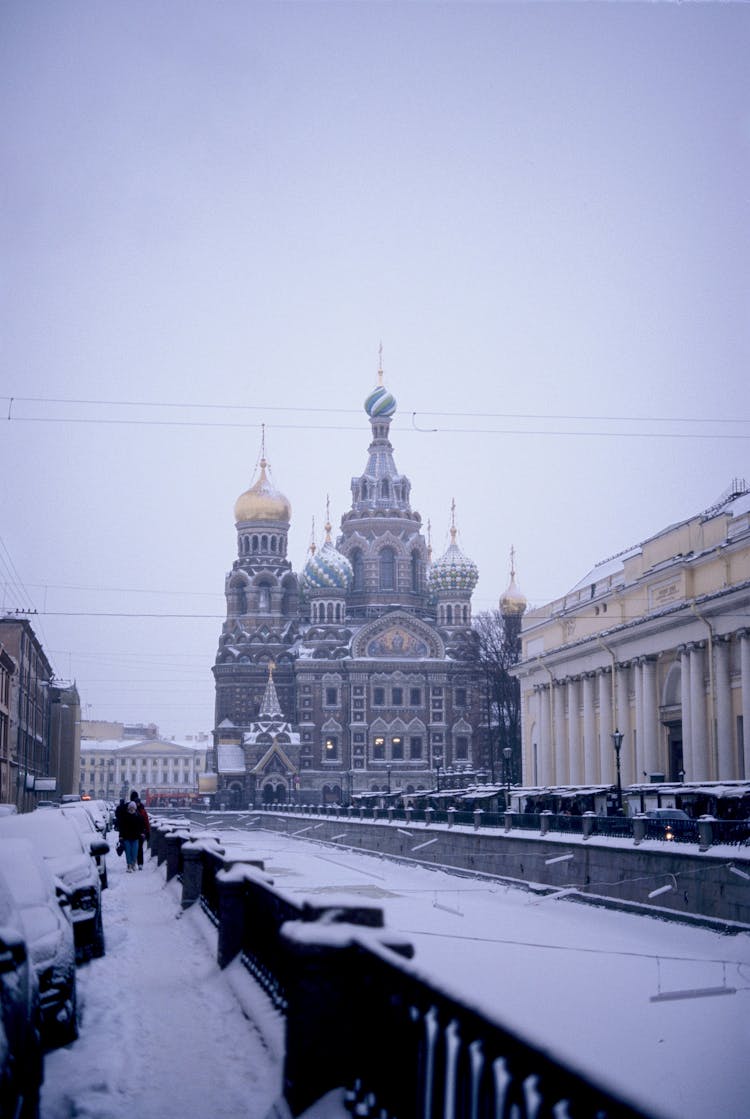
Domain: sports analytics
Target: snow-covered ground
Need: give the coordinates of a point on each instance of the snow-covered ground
(165, 1033)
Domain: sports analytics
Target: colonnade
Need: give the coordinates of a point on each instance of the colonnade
(573, 717)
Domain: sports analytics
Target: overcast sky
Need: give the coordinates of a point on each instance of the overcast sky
(214, 213)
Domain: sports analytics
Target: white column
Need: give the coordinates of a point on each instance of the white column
(574, 737)
(606, 750)
(560, 767)
(638, 759)
(724, 729)
(544, 752)
(687, 735)
(624, 724)
(590, 768)
(651, 760)
(745, 677)
(698, 733)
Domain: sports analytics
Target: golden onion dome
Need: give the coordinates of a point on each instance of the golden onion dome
(512, 600)
(262, 502)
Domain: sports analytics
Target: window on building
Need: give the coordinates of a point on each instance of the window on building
(358, 570)
(460, 697)
(397, 747)
(378, 697)
(415, 746)
(415, 697)
(415, 571)
(378, 747)
(330, 747)
(387, 569)
(332, 697)
(462, 746)
(397, 697)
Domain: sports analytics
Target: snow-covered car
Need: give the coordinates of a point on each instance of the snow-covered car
(58, 840)
(90, 834)
(44, 906)
(21, 1049)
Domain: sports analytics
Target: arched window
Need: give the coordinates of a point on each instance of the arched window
(273, 543)
(387, 569)
(329, 612)
(264, 543)
(449, 615)
(338, 611)
(385, 488)
(264, 598)
(358, 568)
(255, 543)
(415, 571)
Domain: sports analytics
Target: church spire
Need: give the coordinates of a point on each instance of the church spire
(269, 705)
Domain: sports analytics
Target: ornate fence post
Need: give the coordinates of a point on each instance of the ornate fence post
(545, 821)
(478, 813)
(639, 828)
(231, 888)
(508, 818)
(451, 817)
(174, 842)
(587, 824)
(705, 832)
(192, 873)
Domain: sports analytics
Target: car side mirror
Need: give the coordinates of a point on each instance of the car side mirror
(12, 950)
(99, 847)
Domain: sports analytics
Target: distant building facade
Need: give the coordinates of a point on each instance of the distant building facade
(159, 770)
(7, 782)
(28, 726)
(653, 644)
(346, 677)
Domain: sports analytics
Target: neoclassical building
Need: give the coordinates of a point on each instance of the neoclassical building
(345, 676)
(654, 644)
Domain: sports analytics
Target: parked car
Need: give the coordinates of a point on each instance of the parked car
(8, 809)
(58, 840)
(44, 906)
(669, 823)
(90, 834)
(21, 1051)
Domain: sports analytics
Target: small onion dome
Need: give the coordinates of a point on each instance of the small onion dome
(262, 502)
(453, 571)
(512, 600)
(380, 404)
(327, 569)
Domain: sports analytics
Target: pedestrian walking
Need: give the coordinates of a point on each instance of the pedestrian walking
(131, 831)
(146, 826)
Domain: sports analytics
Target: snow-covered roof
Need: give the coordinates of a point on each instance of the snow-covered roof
(230, 757)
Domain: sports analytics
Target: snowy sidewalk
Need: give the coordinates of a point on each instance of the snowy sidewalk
(162, 1029)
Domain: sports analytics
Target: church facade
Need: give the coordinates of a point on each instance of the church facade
(348, 676)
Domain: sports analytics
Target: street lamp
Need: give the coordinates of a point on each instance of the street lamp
(507, 755)
(438, 759)
(388, 775)
(617, 738)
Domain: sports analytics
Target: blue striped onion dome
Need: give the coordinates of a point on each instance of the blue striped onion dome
(327, 569)
(380, 403)
(453, 572)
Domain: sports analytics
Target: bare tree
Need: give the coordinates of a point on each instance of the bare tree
(493, 646)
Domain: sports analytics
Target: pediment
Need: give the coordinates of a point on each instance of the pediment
(398, 636)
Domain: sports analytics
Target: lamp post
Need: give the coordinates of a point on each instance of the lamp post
(388, 775)
(617, 737)
(438, 759)
(507, 755)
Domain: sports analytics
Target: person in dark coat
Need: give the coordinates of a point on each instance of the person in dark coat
(146, 826)
(131, 831)
(120, 812)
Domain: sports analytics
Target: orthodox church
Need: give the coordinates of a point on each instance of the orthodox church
(347, 676)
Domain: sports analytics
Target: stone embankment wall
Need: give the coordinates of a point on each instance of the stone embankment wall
(663, 878)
